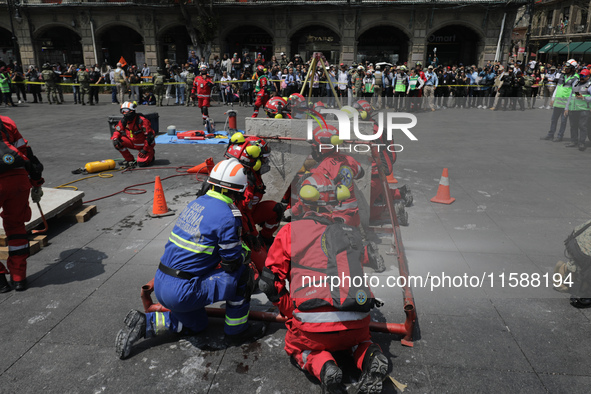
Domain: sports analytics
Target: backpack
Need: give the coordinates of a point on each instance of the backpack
(529, 81)
(82, 76)
(336, 242)
(576, 273)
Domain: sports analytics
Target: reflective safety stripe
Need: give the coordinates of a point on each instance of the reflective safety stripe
(230, 246)
(19, 143)
(160, 323)
(238, 321)
(190, 246)
(444, 181)
(203, 95)
(305, 354)
(15, 248)
(329, 317)
(267, 225)
(141, 144)
(179, 327)
(236, 303)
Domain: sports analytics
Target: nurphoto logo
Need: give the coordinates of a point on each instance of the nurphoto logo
(345, 122)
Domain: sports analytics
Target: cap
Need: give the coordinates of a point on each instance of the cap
(584, 73)
(430, 66)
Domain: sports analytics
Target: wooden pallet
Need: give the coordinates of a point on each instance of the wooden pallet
(79, 213)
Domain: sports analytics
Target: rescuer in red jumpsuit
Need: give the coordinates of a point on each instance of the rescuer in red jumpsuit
(343, 169)
(319, 322)
(134, 132)
(253, 153)
(202, 91)
(261, 88)
(19, 171)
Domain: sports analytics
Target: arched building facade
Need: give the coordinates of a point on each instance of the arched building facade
(395, 32)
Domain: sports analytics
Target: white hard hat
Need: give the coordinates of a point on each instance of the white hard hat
(572, 63)
(229, 174)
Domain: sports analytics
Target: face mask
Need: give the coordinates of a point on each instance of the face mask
(128, 116)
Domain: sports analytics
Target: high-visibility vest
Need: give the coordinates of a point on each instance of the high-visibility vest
(579, 103)
(564, 90)
(413, 82)
(399, 87)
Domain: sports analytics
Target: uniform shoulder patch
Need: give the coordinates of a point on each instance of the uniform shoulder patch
(235, 211)
(118, 128)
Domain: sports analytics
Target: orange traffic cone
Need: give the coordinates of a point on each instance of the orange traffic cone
(203, 168)
(390, 178)
(443, 196)
(159, 207)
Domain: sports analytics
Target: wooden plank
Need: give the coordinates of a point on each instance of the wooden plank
(86, 213)
(42, 239)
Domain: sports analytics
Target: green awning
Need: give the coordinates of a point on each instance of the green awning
(568, 48)
(546, 48)
(558, 47)
(583, 48)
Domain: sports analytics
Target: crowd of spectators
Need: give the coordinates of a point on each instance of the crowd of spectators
(399, 87)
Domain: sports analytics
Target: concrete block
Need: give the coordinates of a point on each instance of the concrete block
(54, 201)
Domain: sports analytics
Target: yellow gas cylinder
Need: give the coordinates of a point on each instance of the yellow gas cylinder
(98, 166)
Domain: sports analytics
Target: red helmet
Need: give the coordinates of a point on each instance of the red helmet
(260, 68)
(252, 152)
(326, 135)
(363, 105)
(296, 100)
(274, 106)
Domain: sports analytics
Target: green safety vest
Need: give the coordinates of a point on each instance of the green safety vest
(413, 82)
(564, 90)
(399, 87)
(579, 103)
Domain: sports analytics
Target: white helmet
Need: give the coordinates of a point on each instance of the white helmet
(229, 174)
(128, 106)
(572, 63)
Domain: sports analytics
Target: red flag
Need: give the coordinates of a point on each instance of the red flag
(123, 62)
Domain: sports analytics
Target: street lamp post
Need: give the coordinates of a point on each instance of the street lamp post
(528, 34)
(11, 11)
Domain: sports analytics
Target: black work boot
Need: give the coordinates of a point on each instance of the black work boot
(21, 285)
(375, 368)
(580, 302)
(4, 286)
(330, 379)
(251, 334)
(376, 261)
(135, 329)
(406, 195)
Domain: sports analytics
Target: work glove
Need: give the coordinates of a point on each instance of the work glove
(279, 209)
(36, 194)
(143, 154)
(117, 144)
